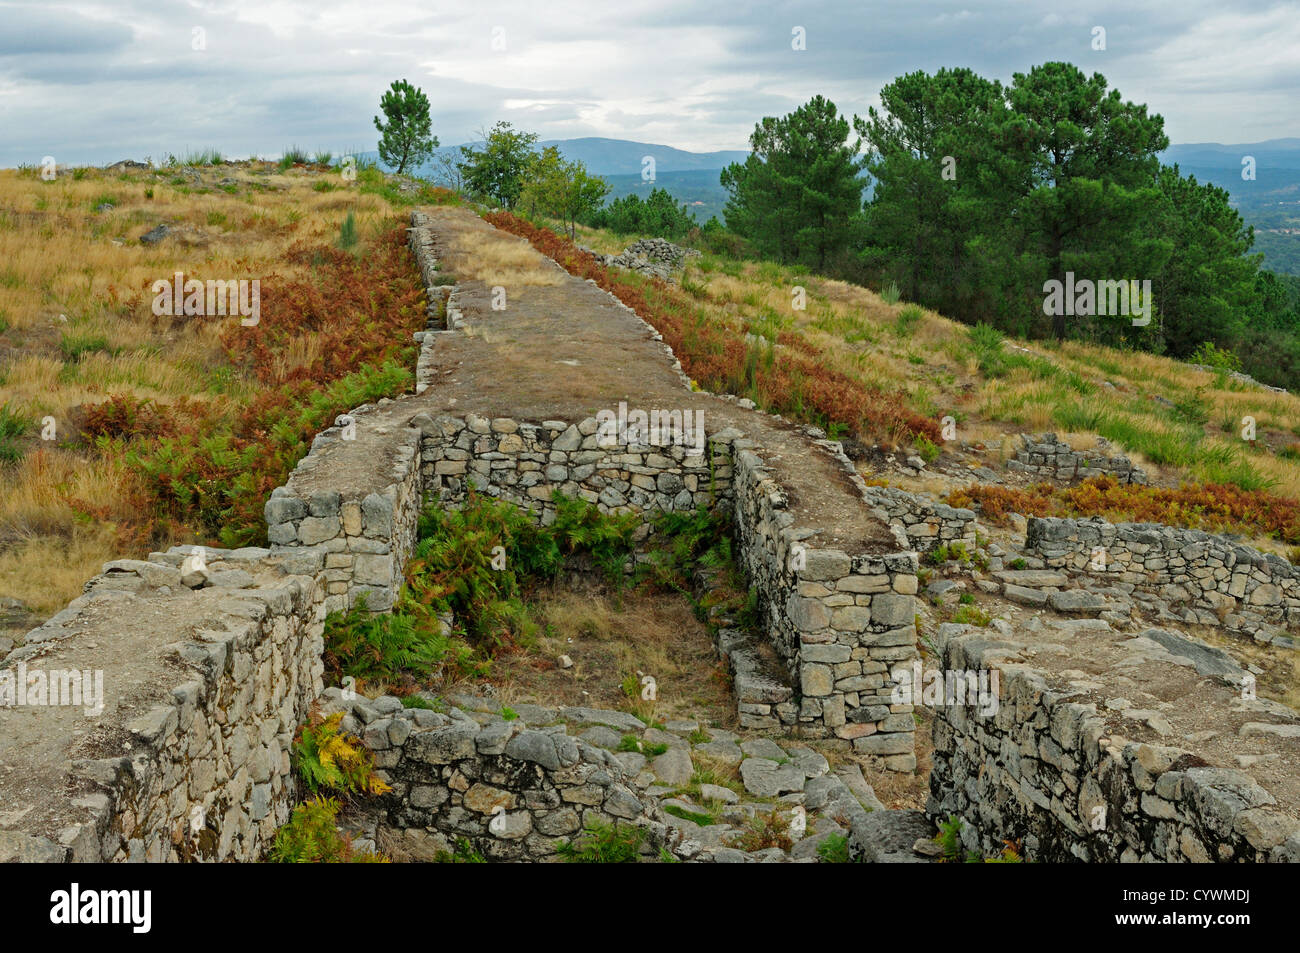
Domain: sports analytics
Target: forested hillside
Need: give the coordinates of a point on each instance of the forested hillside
(987, 199)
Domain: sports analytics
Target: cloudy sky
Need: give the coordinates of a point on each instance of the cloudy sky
(100, 81)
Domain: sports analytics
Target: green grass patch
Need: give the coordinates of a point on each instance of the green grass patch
(695, 817)
(603, 844)
(13, 426)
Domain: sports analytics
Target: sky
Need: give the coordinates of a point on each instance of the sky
(94, 82)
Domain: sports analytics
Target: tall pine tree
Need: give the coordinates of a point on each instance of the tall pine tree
(798, 196)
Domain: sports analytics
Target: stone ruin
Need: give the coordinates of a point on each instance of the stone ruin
(215, 657)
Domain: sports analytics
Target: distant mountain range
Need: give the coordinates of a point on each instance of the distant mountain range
(1270, 202)
(607, 157)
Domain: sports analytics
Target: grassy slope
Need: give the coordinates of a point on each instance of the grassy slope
(76, 327)
(1184, 424)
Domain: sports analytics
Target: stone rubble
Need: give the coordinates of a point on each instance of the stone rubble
(656, 257)
(1047, 456)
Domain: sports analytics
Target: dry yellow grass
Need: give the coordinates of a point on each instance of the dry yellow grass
(600, 240)
(930, 358)
(77, 326)
(611, 640)
(496, 258)
(43, 572)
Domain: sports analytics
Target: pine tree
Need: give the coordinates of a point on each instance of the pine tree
(405, 140)
(798, 196)
(1091, 158)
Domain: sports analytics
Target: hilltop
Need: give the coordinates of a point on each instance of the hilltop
(904, 454)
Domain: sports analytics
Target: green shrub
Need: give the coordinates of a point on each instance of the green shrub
(12, 426)
(326, 757)
(462, 853)
(985, 342)
(1220, 359)
(926, 448)
(942, 554)
(311, 837)
(890, 293)
(77, 346)
(907, 320)
(382, 648)
(834, 849)
(293, 156)
(1193, 408)
(766, 830)
(684, 542)
(202, 157)
(476, 561)
(971, 615)
(949, 841)
(603, 844)
(348, 233)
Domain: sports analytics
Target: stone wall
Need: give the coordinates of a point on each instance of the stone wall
(1038, 771)
(925, 524)
(656, 257)
(367, 534)
(838, 622)
(525, 463)
(513, 791)
(441, 313)
(204, 775)
(1213, 577)
(1047, 456)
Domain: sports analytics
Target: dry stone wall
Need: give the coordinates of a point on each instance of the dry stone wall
(1039, 771)
(525, 463)
(204, 775)
(1047, 456)
(513, 791)
(925, 524)
(840, 623)
(1216, 580)
(367, 535)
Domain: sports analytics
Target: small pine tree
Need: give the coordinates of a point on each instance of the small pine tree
(405, 140)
